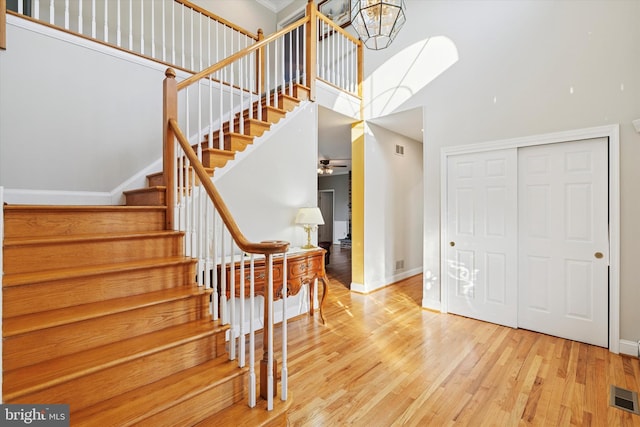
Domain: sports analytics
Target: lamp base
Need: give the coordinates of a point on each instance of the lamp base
(308, 246)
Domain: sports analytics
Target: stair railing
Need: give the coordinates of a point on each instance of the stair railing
(175, 32)
(206, 117)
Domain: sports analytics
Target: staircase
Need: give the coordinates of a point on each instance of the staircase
(101, 312)
(234, 142)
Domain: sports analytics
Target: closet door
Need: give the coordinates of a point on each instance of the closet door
(481, 233)
(563, 240)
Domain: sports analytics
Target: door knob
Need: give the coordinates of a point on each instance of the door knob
(452, 244)
(598, 255)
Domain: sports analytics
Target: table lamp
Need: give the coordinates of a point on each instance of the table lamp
(309, 218)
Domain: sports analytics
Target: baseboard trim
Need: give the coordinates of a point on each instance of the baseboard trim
(630, 348)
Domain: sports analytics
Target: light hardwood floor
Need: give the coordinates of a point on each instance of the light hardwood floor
(381, 360)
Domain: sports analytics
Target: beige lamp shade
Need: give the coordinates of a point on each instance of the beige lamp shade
(309, 216)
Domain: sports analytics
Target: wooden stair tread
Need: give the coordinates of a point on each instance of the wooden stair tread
(18, 279)
(146, 189)
(79, 208)
(48, 319)
(17, 241)
(241, 415)
(39, 376)
(136, 405)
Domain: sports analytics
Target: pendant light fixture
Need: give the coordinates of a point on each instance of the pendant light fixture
(377, 22)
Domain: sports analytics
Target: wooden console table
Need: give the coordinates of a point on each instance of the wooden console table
(303, 266)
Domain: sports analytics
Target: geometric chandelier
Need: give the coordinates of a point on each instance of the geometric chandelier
(377, 22)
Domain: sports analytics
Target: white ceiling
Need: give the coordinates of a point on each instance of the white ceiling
(275, 5)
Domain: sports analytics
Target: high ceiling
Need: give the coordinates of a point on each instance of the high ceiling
(275, 5)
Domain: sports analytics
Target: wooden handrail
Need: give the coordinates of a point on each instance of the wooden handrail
(3, 24)
(217, 18)
(338, 29)
(269, 247)
(231, 59)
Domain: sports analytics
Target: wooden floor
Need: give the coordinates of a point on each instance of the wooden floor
(382, 360)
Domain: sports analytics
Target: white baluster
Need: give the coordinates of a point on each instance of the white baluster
(142, 29)
(232, 299)
(36, 9)
(106, 22)
(182, 31)
(118, 24)
(93, 19)
(52, 12)
(304, 53)
(66, 13)
(242, 349)
(164, 32)
(297, 73)
(191, 33)
(231, 91)
(267, 83)
(214, 256)
(252, 334)
(208, 265)
(269, 326)
(291, 34)
(176, 168)
(80, 23)
(200, 42)
(252, 88)
(20, 8)
(223, 278)
(241, 91)
(284, 382)
(275, 74)
(173, 32)
(153, 29)
(130, 24)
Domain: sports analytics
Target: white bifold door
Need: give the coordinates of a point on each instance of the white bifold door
(527, 238)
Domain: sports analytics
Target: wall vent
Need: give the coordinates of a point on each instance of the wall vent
(626, 400)
(399, 264)
(400, 150)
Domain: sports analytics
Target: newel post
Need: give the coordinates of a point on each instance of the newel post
(170, 111)
(312, 45)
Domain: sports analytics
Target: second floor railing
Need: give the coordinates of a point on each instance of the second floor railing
(176, 32)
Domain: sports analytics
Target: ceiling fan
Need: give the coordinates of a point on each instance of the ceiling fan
(326, 168)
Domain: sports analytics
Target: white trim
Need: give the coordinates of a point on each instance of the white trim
(388, 281)
(630, 348)
(431, 304)
(612, 132)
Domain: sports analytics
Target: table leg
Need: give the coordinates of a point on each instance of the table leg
(325, 289)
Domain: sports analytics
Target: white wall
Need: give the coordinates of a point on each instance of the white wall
(393, 203)
(73, 118)
(265, 188)
(513, 69)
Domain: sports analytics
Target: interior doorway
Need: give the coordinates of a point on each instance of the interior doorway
(326, 204)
